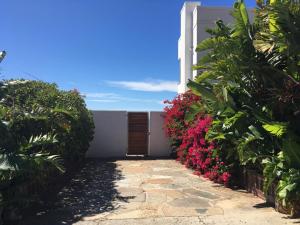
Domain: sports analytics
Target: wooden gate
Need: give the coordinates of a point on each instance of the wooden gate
(138, 133)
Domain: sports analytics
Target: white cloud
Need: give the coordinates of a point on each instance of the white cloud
(150, 86)
(102, 100)
(103, 97)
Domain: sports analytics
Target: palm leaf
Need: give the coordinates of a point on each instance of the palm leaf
(6, 164)
(204, 75)
(231, 121)
(242, 24)
(269, 173)
(55, 160)
(209, 43)
(291, 147)
(202, 91)
(277, 129)
(193, 111)
(38, 141)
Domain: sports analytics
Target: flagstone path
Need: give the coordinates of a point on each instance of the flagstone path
(142, 192)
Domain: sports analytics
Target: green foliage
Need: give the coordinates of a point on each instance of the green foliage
(248, 81)
(44, 132)
(279, 169)
(288, 187)
(39, 107)
(291, 147)
(204, 91)
(242, 24)
(194, 110)
(277, 129)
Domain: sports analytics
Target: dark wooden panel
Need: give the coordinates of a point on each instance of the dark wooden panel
(137, 133)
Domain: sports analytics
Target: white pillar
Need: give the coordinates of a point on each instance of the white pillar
(185, 45)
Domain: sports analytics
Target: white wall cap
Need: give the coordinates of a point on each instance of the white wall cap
(189, 5)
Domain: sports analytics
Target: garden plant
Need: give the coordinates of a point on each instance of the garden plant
(45, 132)
(244, 111)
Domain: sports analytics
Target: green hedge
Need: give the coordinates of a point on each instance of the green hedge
(43, 131)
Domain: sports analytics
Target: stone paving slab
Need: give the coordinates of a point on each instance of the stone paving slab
(151, 221)
(153, 192)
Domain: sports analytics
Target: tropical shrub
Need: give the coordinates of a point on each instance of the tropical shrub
(248, 81)
(186, 130)
(255, 74)
(63, 111)
(174, 120)
(202, 155)
(44, 131)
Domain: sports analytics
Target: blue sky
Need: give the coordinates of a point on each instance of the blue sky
(122, 54)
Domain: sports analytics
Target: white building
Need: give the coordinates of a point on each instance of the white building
(195, 19)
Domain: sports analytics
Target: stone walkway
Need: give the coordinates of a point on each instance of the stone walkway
(140, 192)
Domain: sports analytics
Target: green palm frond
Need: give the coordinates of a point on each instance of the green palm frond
(291, 146)
(242, 24)
(204, 75)
(202, 91)
(194, 110)
(278, 129)
(273, 169)
(231, 121)
(6, 163)
(55, 160)
(288, 187)
(245, 153)
(205, 60)
(209, 43)
(263, 46)
(39, 141)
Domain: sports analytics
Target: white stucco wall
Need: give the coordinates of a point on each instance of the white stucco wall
(203, 18)
(111, 135)
(158, 142)
(194, 20)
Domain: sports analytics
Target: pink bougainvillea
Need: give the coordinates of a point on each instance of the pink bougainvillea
(192, 149)
(174, 124)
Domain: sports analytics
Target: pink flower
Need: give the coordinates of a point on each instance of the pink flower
(193, 150)
(226, 177)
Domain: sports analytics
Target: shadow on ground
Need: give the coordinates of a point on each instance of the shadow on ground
(90, 192)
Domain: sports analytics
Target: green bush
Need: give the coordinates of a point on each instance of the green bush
(43, 131)
(249, 81)
(66, 112)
